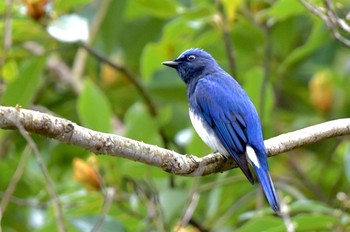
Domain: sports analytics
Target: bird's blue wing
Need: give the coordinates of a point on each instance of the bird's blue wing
(228, 124)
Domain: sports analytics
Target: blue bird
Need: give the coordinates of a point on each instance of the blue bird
(224, 116)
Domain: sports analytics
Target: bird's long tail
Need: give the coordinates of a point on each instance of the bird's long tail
(262, 171)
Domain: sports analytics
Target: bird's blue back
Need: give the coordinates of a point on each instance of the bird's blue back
(228, 96)
(224, 116)
(222, 101)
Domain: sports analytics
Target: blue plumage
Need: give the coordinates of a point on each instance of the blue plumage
(224, 116)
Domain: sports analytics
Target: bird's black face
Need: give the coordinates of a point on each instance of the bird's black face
(190, 64)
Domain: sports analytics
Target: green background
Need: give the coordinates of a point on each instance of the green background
(296, 73)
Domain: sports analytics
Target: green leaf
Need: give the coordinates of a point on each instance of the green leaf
(24, 88)
(199, 11)
(243, 31)
(310, 206)
(214, 199)
(172, 202)
(94, 109)
(66, 6)
(151, 60)
(177, 31)
(317, 38)
(314, 222)
(253, 81)
(167, 86)
(10, 70)
(140, 125)
(164, 115)
(87, 223)
(284, 9)
(284, 36)
(266, 223)
(111, 28)
(164, 8)
(175, 39)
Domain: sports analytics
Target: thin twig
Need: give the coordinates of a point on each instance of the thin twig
(151, 105)
(315, 9)
(192, 205)
(7, 33)
(285, 215)
(186, 165)
(227, 40)
(6, 198)
(49, 184)
(234, 207)
(331, 19)
(81, 56)
(128, 74)
(25, 202)
(267, 73)
(304, 179)
(334, 23)
(109, 196)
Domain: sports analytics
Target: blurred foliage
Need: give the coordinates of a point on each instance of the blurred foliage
(286, 59)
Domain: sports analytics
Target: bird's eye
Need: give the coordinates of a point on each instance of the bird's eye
(191, 57)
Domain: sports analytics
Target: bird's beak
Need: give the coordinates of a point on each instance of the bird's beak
(172, 63)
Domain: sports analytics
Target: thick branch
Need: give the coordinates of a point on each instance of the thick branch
(187, 165)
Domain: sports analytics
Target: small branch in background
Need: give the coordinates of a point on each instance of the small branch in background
(26, 202)
(6, 197)
(7, 32)
(230, 53)
(267, 73)
(285, 214)
(227, 39)
(190, 209)
(185, 165)
(128, 74)
(60, 69)
(334, 23)
(244, 200)
(81, 56)
(151, 105)
(16, 120)
(7, 42)
(304, 179)
(150, 198)
(109, 196)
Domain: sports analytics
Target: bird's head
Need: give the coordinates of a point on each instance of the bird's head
(192, 64)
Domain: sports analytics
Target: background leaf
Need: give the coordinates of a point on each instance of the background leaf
(94, 109)
(22, 90)
(141, 126)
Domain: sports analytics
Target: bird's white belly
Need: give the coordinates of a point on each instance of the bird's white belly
(207, 134)
(209, 137)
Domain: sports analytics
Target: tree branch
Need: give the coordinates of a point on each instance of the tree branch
(186, 165)
(333, 22)
(128, 74)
